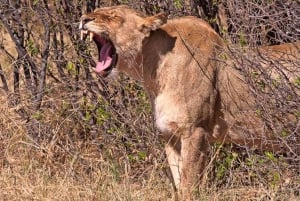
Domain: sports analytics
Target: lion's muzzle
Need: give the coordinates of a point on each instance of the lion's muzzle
(107, 55)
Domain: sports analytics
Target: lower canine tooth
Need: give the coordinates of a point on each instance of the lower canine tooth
(91, 36)
(81, 35)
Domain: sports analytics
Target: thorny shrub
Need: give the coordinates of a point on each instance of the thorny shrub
(65, 113)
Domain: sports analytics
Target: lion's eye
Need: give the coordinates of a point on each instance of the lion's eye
(112, 15)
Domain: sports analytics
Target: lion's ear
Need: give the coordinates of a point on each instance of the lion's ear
(153, 22)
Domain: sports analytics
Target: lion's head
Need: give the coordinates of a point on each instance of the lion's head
(118, 33)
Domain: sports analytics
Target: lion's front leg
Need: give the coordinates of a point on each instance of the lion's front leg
(172, 149)
(194, 150)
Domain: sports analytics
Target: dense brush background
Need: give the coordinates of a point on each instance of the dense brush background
(66, 134)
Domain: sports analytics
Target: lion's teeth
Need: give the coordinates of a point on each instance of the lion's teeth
(81, 35)
(91, 36)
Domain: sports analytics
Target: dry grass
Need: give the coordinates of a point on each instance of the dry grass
(43, 170)
(67, 167)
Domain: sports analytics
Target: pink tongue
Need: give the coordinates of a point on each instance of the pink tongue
(105, 59)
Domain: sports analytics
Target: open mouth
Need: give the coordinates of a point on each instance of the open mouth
(107, 55)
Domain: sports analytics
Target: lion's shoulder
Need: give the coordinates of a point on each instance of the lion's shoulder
(189, 23)
(191, 29)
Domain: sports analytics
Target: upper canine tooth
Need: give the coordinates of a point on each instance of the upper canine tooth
(80, 25)
(91, 36)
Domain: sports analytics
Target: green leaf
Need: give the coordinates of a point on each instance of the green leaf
(270, 156)
(178, 4)
(35, 2)
(297, 81)
(32, 48)
(284, 133)
(242, 40)
(102, 116)
(142, 155)
(71, 67)
(37, 115)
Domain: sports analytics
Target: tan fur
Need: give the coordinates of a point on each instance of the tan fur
(196, 98)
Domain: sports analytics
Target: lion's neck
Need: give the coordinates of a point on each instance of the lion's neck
(131, 65)
(142, 61)
(154, 49)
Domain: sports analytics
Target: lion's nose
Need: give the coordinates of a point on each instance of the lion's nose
(84, 20)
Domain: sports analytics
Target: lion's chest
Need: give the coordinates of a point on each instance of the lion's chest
(169, 113)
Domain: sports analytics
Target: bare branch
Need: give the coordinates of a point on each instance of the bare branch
(45, 55)
(3, 78)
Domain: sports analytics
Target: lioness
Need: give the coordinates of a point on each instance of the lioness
(196, 97)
